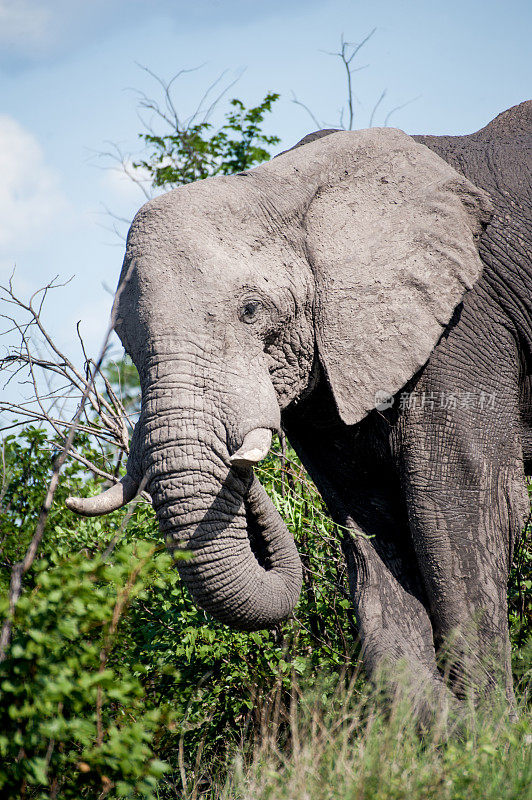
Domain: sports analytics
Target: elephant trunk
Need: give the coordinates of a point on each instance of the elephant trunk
(245, 569)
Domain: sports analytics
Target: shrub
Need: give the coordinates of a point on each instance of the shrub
(73, 718)
(177, 690)
(166, 660)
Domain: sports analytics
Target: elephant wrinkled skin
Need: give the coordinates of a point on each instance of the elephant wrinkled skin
(356, 265)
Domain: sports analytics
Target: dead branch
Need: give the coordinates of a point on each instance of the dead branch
(347, 54)
(103, 416)
(398, 108)
(314, 119)
(163, 116)
(123, 163)
(375, 107)
(20, 569)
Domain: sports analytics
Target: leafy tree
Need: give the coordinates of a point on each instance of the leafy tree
(198, 151)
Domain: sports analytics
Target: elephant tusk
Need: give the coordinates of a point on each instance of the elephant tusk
(255, 447)
(113, 498)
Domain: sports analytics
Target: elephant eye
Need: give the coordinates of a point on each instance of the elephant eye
(250, 310)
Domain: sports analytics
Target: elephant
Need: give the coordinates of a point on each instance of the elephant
(370, 294)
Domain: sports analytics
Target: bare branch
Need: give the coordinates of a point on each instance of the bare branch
(124, 165)
(214, 103)
(108, 425)
(164, 115)
(20, 569)
(375, 107)
(398, 108)
(167, 87)
(346, 59)
(315, 120)
(347, 53)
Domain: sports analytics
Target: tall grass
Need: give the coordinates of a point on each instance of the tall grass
(354, 746)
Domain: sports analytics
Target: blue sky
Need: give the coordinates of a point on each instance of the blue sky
(68, 70)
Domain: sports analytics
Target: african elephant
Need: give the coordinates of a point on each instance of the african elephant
(356, 267)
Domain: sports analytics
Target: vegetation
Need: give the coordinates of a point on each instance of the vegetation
(114, 684)
(349, 747)
(195, 151)
(112, 669)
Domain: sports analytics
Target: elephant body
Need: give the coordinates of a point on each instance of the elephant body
(442, 491)
(371, 294)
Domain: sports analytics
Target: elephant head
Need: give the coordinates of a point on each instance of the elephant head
(340, 260)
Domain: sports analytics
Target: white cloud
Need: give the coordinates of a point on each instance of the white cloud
(24, 23)
(37, 31)
(30, 197)
(32, 31)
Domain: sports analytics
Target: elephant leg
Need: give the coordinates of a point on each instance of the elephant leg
(354, 472)
(460, 457)
(390, 604)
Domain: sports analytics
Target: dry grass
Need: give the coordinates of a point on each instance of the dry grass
(354, 746)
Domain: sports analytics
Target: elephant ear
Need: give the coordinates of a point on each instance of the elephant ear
(393, 246)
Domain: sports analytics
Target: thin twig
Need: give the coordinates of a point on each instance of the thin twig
(346, 59)
(375, 107)
(20, 569)
(398, 108)
(111, 425)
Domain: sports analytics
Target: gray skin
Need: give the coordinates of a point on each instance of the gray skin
(287, 296)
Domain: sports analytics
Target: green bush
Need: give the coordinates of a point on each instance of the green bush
(73, 717)
(178, 690)
(170, 660)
